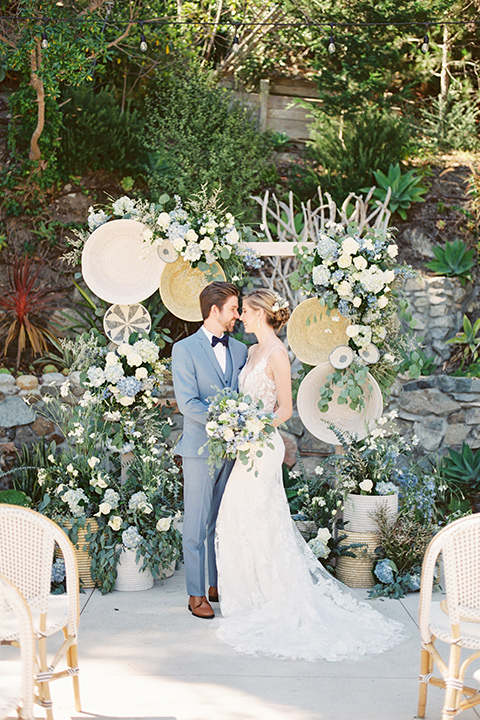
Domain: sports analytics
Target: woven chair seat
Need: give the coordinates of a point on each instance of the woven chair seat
(57, 618)
(440, 626)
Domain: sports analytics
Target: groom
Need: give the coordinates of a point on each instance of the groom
(202, 364)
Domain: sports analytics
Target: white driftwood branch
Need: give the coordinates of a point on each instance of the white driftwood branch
(278, 252)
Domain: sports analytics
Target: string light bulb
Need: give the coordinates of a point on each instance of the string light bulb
(44, 40)
(331, 42)
(424, 47)
(143, 41)
(235, 43)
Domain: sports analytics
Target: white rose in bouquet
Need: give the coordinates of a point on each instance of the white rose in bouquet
(163, 220)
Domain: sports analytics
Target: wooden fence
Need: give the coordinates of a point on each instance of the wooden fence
(277, 108)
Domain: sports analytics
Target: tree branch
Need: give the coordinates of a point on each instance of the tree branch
(37, 84)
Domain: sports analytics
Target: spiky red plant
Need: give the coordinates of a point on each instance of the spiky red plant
(25, 309)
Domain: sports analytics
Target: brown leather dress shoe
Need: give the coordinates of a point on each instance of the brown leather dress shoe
(200, 607)
(212, 594)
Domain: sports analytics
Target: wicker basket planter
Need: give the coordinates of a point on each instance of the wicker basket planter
(130, 578)
(359, 510)
(357, 572)
(84, 560)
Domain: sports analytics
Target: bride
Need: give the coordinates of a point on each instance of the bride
(275, 597)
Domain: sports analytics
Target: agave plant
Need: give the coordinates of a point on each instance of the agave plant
(462, 470)
(453, 260)
(469, 339)
(405, 188)
(26, 309)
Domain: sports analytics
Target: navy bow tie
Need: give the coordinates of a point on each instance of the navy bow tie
(223, 340)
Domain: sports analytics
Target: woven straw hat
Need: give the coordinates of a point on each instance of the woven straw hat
(313, 334)
(180, 286)
(120, 321)
(357, 422)
(118, 265)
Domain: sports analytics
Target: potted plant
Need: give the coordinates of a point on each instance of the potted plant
(366, 472)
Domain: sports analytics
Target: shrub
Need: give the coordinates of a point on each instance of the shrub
(451, 123)
(341, 157)
(198, 135)
(26, 309)
(97, 134)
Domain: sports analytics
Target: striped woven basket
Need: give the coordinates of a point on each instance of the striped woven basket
(81, 552)
(357, 572)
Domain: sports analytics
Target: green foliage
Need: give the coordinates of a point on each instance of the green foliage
(14, 497)
(416, 362)
(343, 152)
(451, 123)
(25, 477)
(198, 135)
(96, 133)
(405, 189)
(453, 260)
(403, 542)
(469, 340)
(462, 470)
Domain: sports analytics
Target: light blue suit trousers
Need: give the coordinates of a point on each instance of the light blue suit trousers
(197, 376)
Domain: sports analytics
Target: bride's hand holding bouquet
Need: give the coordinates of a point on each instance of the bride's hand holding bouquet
(237, 427)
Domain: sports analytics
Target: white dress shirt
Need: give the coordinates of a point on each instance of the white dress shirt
(220, 350)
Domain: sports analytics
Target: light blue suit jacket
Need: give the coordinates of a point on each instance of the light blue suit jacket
(197, 375)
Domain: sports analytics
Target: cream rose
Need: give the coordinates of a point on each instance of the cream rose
(360, 262)
(141, 373)
(163, 220)
(344, 261)
(191, 235)
(164, 524)
(392, 250)
(366, 485)
(206, 244)
(115, 522)
(350, 246)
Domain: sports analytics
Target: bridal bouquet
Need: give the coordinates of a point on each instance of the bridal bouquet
(237, 426)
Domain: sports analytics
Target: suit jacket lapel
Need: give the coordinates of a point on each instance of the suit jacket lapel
(208, 350)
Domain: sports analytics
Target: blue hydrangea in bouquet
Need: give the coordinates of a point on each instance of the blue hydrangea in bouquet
(237, 427)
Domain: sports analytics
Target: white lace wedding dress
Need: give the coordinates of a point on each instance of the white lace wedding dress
(275, 597)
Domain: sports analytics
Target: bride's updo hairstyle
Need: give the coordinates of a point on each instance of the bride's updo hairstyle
(276, 308)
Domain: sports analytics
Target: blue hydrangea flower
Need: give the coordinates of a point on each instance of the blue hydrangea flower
(58, 571)
(384, 572)
(129, 386)
(384, 487)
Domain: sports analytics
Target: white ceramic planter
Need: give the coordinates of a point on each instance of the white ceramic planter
(359, 510)
(129, 576)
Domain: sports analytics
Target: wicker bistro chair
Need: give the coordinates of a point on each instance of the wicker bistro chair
(455, 620)
(17, 691)
(27, 543)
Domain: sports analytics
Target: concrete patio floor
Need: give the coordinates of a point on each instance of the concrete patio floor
(143, 655)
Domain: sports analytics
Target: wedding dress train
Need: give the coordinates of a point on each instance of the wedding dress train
(275, 597)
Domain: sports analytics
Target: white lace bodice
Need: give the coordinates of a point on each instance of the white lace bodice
(256, 383)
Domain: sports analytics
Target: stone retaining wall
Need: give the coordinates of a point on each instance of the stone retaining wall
(438, 305)
(442, 411)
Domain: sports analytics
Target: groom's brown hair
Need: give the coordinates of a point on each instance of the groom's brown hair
(216, 293)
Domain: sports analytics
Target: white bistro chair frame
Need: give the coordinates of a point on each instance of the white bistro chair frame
(27, 544)
(14, 612)
(455, 620)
